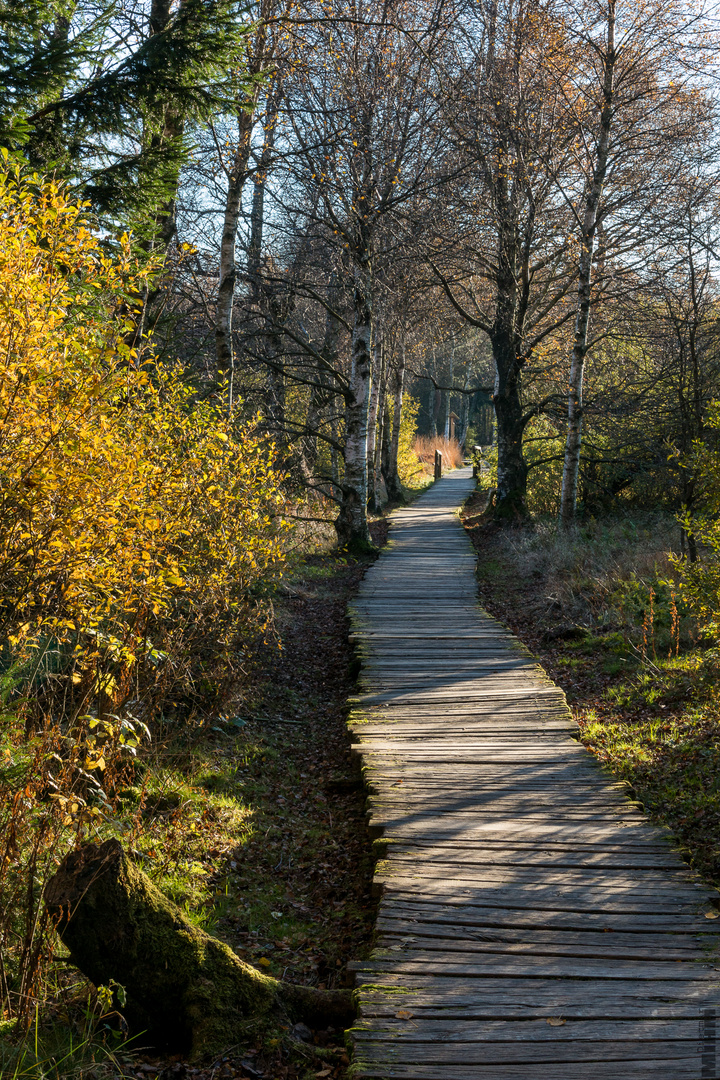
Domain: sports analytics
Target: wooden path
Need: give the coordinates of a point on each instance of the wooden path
(532, 925)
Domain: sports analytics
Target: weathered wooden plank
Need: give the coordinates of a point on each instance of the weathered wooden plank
(582, 770)
(420, 789)
(387, 812)
(546, 1050)
(550, 895)
(584, 877)
(438, 827)
(531, 805)
(510, 965)
(484, 791)
(507, 716)
(401, 936)
(651, 1069)
(560, 857)
(681, 1029)
(665, 1060)
(550, 901)
(411, 906)
(478, 997)
(409, 794)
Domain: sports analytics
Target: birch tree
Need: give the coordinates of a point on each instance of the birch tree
(500, 249)
(641, 121)
(237, 167)
(588, 221)
(359, 122)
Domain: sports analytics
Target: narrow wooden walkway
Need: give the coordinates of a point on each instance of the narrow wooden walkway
(533, 925)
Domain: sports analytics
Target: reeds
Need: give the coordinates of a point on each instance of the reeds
(426, 445)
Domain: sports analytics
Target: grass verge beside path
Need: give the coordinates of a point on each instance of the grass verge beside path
(599, 610)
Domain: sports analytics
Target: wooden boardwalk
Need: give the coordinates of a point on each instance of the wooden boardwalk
(533, 925)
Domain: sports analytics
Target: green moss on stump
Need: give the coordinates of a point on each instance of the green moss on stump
(185, 989)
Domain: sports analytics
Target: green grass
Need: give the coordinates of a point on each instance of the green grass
(660, 731)
(75, 1039)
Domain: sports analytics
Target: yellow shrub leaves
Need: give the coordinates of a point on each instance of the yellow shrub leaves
(123, 499)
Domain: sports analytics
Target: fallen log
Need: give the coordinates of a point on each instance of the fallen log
(185, 990)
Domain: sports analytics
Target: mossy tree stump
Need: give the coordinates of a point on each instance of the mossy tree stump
(185, 989)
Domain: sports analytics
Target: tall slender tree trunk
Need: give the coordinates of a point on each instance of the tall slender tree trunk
(588, 229)
(506, 347)
(512, 469)
(267, 295)
(383, 455)
(392, 480)
(321, 392)
(374, 412)
(352, 524)
(163, 224)
(464, 416)
(334, 452)
(506, 338)
(313, 415)
(228, 271)
(172, 129)
(375, 464)
(448, 394)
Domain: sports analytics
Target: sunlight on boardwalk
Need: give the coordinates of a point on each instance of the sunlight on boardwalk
(532, 925)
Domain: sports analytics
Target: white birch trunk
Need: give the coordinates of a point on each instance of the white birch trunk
(374, 459)
(334, 455)
(381, 440)
(394, 487)
(448, 393)
(464, 416)
(352, 525)
(373, 406)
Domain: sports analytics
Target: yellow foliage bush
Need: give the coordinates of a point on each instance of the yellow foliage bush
(410, 470)
(139, 530)
(122, 499)
(408, 464)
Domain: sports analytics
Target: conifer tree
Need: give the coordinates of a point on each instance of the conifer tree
(103, 96)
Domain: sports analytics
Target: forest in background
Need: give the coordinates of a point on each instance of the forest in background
(258, 262)
(456, 202)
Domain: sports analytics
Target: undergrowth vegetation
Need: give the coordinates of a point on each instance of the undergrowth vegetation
(412, 468)
(608, 573)
(175, 663)
(254, 825)
(141, 530)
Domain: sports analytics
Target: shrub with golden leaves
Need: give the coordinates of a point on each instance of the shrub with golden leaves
(139, 528)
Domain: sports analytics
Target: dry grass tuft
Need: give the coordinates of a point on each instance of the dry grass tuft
(426, 445)
(583, 573)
